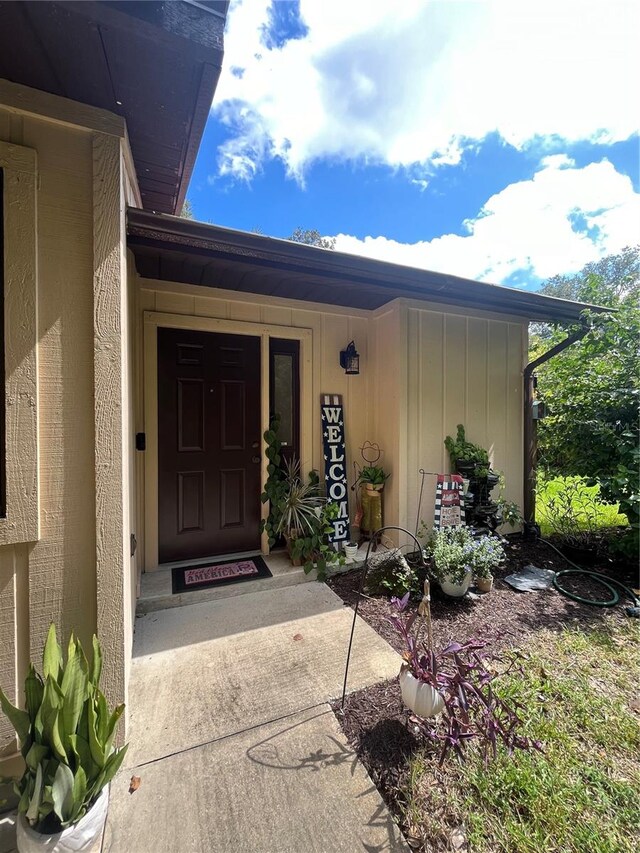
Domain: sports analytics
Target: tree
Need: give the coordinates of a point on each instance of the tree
(592, 389)
(187, 210)
(311, 237)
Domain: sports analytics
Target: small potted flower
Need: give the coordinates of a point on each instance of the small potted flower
(487, 554)
(451, 550)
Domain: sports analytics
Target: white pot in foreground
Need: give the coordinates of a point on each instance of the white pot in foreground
(82, 837)
(456, 590)
(423, 699)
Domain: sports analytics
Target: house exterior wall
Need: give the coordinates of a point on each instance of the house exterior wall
(331, 330)
(54, 575)
(463, 369)
(422, 371)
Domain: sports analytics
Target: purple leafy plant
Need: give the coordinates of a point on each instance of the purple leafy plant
(472, 708)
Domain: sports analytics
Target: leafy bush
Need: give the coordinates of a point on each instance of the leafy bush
(592, 389)
(390, 574)
(455, 551)
(567, 506)
(66, 737)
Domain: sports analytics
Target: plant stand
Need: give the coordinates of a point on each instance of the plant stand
(371, 500)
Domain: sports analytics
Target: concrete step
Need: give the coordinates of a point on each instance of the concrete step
(156, 594)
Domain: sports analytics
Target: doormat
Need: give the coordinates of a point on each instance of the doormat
(187, 578)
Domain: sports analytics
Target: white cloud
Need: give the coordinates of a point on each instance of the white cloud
(412, 82)
(556, 222)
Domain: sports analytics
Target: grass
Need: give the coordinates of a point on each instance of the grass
(583, 794)
(589, 511)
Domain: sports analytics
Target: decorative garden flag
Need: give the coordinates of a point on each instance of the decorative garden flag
(335, 464)
(449, 501)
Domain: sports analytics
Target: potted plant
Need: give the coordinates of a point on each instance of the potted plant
(297, 507)
(312, 547)
(451, 549)
(350, 551)
(373, 478)
(487, 554)
(457, 685)
(66, 736)
(469, 460)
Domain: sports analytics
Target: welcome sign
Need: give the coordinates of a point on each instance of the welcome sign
(335, 465)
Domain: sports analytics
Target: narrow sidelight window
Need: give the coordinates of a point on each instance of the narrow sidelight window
(284, 392)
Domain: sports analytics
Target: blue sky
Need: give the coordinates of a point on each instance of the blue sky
(401, 138)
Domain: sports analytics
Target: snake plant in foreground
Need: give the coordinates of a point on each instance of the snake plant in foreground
(66, 737)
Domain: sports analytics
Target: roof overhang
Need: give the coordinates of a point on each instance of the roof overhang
(168, 248)
(156, 64)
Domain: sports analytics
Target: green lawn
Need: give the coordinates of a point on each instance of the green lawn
(580, 697)
(590, 511)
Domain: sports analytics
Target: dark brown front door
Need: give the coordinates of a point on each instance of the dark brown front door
(208, 444)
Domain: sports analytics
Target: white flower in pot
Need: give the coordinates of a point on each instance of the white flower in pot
(452, 549)
(67, 738)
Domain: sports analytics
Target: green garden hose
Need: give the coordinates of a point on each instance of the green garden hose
(604, 581)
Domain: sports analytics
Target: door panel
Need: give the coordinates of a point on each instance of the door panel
(208, 425)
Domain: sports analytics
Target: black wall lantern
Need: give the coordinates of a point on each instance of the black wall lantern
(350, 359)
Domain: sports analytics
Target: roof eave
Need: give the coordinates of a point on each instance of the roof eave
(398, 280)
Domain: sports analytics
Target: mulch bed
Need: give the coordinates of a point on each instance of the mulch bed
(503, 614)
(375, 719)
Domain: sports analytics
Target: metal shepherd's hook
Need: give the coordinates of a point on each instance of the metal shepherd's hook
(379, 532)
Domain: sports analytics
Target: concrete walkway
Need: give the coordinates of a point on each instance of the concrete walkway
(233, 739)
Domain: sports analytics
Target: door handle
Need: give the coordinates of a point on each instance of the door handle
(255, 445)
(255, 459)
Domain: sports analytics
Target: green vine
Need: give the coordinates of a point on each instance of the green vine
(275, 488)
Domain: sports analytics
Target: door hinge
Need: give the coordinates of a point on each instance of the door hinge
(134, 544)
(141, 441)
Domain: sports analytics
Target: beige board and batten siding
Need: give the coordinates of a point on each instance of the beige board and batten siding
(56, 573)
(53, 575)
(462, 369)
(330, 329)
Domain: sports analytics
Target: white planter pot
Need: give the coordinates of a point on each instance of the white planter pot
(423, 699)
(456, 590)
(350, 552)
(84, 837)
